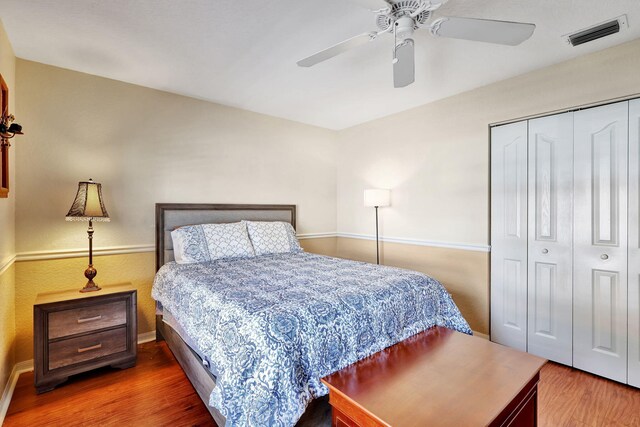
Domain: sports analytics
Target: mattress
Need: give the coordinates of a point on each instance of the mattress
(272, 326)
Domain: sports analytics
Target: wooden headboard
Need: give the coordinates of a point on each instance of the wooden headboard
(169, 216)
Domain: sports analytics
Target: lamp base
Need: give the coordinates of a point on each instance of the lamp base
(90, 273)
(90, 287)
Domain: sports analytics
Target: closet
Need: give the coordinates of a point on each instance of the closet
(565, 238)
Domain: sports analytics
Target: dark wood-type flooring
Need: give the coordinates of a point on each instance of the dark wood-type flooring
(157, 393)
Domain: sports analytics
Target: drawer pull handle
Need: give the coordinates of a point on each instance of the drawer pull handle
(90, 319)
(93, 347)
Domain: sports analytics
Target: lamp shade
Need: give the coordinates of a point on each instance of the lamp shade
(88, 204)
(377, 197)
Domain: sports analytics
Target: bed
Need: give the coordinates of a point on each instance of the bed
(255, 335)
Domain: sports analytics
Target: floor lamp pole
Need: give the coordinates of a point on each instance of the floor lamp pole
(377, 241)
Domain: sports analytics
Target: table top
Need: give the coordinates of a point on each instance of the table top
(438, 377)
(75, 294)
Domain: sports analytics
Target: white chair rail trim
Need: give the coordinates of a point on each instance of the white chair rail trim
(4, 265)
(419, 242)
(75, 253)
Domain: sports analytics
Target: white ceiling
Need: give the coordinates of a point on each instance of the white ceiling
(243, 53)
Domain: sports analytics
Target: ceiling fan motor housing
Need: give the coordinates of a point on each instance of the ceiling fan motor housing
(407, 8)
(405, 27)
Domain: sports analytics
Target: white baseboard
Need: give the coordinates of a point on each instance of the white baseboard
(18, 368)
(146, 337)
(27, 366)
(481, 335)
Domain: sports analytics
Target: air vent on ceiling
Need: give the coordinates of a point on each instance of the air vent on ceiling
(597, 31)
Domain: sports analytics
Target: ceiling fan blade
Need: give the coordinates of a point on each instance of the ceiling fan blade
(404, 71)
(337, 49)
(483, 30)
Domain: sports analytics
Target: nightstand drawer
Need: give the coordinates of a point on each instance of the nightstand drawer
(75, 350)
(78, 320)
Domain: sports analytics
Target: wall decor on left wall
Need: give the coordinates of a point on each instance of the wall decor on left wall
(8, 129)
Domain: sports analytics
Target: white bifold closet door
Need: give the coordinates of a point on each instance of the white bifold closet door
(550, 326)
(509, 235)
(634, 243)
(600, 240)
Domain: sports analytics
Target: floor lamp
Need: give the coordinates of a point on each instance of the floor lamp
(377, 198)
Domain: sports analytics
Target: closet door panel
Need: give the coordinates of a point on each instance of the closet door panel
(634, 243)
(550, 287)
(509, 235)
(600, 240)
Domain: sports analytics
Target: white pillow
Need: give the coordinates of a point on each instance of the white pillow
(272, 237)
(209, 242)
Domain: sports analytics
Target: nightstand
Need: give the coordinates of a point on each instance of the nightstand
(76, 332)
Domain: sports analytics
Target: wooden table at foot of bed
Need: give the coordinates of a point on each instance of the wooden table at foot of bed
(438, 377)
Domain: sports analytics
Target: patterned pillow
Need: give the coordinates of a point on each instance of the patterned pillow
(272, 237)
(209, 242)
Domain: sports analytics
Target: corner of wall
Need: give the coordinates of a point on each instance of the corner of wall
(7, 233)
(7, 323)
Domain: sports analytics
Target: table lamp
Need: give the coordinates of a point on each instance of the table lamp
(88, 206)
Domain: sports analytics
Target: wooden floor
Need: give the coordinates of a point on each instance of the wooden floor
(153, 393)
(157, 393)
(568, 397)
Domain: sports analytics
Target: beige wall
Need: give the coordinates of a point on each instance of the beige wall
(435, 158)
(7, 229)
(146, 146)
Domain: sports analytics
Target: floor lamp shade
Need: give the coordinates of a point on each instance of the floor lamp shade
(89, 206)
(377, 197)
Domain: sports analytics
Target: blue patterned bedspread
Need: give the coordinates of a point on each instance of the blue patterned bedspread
(274, 325)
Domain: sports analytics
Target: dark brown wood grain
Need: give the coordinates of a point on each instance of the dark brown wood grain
(87, 318)
(87, 347)
(95, 345)
(424, 379)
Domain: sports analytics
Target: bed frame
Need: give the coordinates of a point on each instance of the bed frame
(172, 215)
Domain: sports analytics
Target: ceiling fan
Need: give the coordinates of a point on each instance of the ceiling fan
(402, 17)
